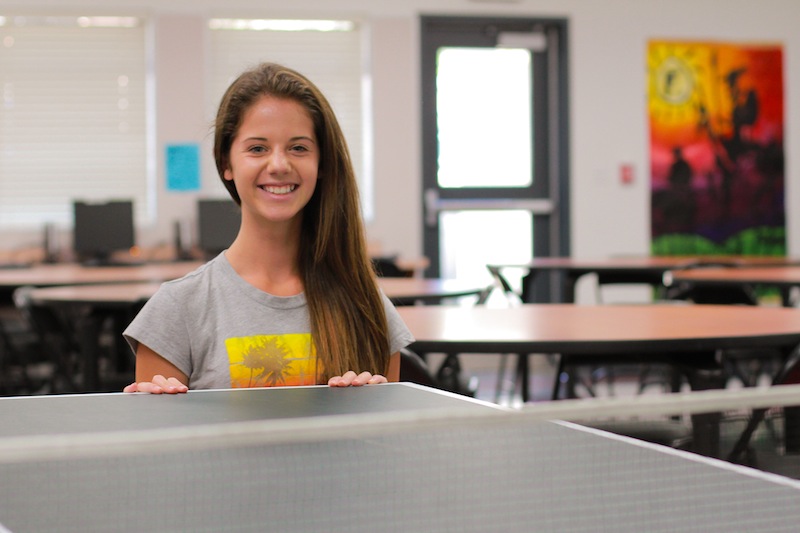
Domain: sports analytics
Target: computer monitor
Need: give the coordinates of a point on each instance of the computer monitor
(218, 223)
(102, 228)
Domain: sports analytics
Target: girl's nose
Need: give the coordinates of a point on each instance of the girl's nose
(279, 162)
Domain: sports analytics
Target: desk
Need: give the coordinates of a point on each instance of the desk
(402, 291)
(407, 291)
(784, 278)
(49, 275)
(84, 307)
(647, 270)
(684, 335)
(356, 460)
(600, 330)
(81, 310)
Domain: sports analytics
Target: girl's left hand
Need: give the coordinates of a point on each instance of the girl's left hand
(351, 379)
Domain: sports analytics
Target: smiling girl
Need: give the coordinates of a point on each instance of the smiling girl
(294, 300)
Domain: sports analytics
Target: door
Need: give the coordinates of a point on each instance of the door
(494, 107)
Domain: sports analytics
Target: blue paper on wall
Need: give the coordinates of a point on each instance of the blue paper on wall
(183, 167)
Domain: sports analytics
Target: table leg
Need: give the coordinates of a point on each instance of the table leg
(570, 281)
(523, 372)
(705, 373)
(527, 289)
(89, 338)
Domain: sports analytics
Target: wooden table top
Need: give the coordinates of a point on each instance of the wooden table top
(45, 275)
(407, 290)
(600, 329)
(782, 276)
(623, 269)
(124, 294)
(105, 294)
(646, 262)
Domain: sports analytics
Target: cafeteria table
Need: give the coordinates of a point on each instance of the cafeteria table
(84, 308)
(784, 278)
(689, 337)
(648, 270)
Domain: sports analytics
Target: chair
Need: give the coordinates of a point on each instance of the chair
(567, 368)
(662, 374)
(414, 369)
(744, 365)
(387, 267)
(54, 339)
(521, 363)
(672, 433)
(742, 451)
(19, 351)
(713, 295)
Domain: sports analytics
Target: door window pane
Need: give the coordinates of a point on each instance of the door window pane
(472, 239)
(483, 105)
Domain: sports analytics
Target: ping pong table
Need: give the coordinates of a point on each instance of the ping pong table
(394, 457)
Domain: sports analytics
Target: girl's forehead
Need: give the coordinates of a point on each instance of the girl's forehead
(274, 105)
(269, 112)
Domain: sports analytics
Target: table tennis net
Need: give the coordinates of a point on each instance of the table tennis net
(535, 469)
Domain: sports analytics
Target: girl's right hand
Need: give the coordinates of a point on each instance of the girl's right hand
(351, 379)
(159, 385)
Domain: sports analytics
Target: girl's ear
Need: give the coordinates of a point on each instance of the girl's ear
(227, 175)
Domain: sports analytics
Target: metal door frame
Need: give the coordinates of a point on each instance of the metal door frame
(547, 199)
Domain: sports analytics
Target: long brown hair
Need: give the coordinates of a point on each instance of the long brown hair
(348, 321)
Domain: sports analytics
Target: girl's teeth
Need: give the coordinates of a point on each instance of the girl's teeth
(284, 189)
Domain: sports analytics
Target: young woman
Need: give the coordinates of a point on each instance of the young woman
(293, 301)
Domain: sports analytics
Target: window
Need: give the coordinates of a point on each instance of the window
(72, 117)
(328, 52)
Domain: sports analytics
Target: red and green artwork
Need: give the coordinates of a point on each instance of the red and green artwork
(716, 148)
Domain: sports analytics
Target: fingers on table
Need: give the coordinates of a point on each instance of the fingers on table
(351, 379)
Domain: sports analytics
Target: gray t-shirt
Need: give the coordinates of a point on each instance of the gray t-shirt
(224, 333)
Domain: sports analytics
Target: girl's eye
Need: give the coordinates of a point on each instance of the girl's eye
(257, 149)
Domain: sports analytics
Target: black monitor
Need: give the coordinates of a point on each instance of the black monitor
(101, 229)
(218, 223)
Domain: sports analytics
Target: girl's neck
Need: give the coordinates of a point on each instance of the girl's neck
(268, 259)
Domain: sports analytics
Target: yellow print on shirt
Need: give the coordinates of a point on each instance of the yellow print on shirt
(272, 360)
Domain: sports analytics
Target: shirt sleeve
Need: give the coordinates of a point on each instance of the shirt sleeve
(399, 334)
(161, 326)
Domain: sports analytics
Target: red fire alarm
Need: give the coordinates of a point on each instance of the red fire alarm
(626, 174)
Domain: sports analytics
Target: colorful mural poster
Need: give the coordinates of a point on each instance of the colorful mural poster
(716, 148)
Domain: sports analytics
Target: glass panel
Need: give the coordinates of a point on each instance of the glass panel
(472, 239)
(483, 106)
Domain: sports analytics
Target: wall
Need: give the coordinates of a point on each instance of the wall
(608, 125)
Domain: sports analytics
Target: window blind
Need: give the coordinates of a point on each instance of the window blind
(333, 60)
(73, 116)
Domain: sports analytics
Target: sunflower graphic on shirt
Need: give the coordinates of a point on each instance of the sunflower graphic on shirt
(272, 360)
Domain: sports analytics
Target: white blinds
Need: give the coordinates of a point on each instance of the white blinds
(72, 118)
(333, 60)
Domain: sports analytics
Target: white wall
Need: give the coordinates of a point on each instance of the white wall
(608, 124)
